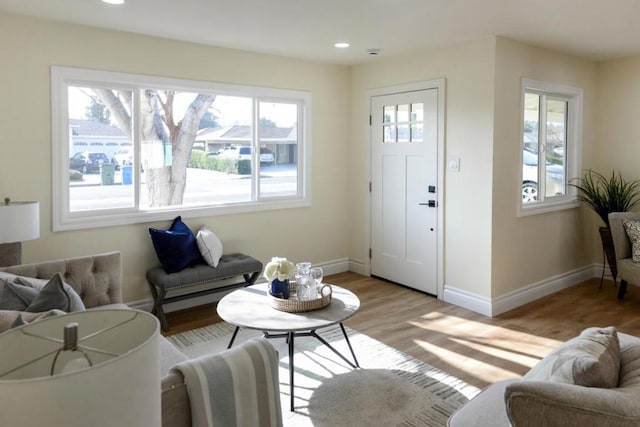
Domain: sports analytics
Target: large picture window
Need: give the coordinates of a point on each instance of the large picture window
(551, 141)
(129, 148)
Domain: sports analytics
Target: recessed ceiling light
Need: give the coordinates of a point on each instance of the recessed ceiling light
(341, 45)
(113, 1)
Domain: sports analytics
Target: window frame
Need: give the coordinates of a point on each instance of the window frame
(573, 151)
(64, 219)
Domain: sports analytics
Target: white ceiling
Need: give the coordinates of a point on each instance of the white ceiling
(593, 29)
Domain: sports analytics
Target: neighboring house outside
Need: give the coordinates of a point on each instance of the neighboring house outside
(90, 135)
(282, 141)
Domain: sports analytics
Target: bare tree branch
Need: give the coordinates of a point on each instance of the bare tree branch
(117, 107)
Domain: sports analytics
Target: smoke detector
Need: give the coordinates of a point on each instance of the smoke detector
(373, 52)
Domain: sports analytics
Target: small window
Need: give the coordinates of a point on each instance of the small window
(550, 146)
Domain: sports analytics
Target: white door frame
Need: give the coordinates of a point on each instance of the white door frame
(439, 84)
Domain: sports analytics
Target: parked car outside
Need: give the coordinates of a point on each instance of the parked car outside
(244, 153)
(87, 162)
(555, 178)
(266, 156)
(231, 152)
(123, 157)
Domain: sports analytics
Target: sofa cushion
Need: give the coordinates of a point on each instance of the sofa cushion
(632, 228)
(210, 246)
(176, 247)
(14, 296)
(51, 296)
(56, 288)
(591, 360)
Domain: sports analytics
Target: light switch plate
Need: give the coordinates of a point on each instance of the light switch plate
(453, 164)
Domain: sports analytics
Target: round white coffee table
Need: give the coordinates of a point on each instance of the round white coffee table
(249, 308)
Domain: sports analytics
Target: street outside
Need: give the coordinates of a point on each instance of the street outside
(203, 187)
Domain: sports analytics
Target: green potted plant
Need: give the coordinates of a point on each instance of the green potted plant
(604, 195)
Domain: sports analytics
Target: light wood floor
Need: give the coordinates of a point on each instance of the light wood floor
(475, 348)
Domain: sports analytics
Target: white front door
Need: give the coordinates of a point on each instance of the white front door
(404, 188)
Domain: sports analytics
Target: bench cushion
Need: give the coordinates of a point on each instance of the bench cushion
(230, 265)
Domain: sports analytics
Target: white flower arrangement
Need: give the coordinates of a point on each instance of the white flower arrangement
(279, 268)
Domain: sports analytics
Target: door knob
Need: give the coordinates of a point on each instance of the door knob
(430, 203)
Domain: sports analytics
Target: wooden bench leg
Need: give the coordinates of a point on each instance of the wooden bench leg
(158, 300)
(251, 278)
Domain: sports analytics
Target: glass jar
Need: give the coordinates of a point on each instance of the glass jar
(304, 282)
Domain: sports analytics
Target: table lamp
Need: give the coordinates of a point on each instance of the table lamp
(19, 221)
(91, 368)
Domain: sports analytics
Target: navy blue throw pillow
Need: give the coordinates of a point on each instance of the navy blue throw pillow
(176, 247)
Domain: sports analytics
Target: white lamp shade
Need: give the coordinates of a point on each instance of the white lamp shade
(19, 221)
(120, 390)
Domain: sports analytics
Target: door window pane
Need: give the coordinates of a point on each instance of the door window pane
(389, 133)
(417, 112)
(403, 113)
(417, 119)
(417, 133)
(389, 115)
(403, 133)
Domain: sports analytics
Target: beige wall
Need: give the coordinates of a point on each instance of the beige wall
(530, 249)
(618, 117)
(468, 69)
(30, 47)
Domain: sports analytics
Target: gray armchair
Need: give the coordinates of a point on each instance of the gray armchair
(628, 271)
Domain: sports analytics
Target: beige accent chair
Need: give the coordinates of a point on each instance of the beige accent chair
(628, 271)
(534, 402)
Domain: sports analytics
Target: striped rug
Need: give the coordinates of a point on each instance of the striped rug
(391, 389)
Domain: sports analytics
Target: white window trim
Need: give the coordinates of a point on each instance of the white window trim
(574, 146)
(63, 219)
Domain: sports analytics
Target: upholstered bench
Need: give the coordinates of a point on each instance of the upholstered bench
(198, 280)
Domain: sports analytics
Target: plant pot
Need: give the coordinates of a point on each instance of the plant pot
(609, 251)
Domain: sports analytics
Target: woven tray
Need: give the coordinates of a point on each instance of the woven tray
(293, 305)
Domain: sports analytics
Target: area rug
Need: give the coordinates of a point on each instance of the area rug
(390, 389)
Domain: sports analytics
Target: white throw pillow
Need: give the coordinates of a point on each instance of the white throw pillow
(210, 246)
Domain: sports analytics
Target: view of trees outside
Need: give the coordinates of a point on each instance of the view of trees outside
(171, 124)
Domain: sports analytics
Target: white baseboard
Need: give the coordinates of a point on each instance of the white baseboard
(469, 300)
(465, 299)
(358, 267)
(330, 267)
(503, 303)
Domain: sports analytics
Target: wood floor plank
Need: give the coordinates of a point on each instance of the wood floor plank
(478, 349)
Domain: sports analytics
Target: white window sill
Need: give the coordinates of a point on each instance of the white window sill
(547, 206)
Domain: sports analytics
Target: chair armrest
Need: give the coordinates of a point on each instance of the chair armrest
(176, 407)
(550, 404)
(621, 242)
